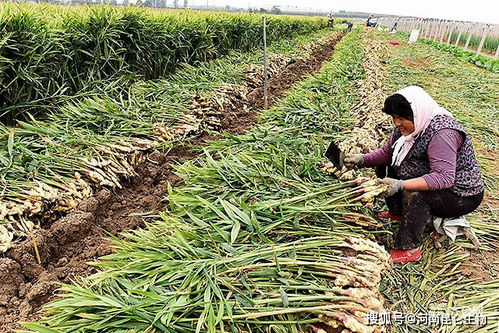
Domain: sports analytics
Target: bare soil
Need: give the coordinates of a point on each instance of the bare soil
(417, 63)
(482, 265)
(70, 243)
(479, 265)
(280, 83)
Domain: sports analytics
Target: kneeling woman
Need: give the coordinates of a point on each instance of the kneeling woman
(430, 166)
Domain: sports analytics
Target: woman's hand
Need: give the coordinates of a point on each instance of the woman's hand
(395, 186)
(351, 160)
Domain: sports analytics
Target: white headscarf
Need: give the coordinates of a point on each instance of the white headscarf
(424, 109)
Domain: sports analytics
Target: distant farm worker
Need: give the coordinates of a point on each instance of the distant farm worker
(429, 165)
(330, 21)
(349, 25)
(372, 21)
(394, 28)
(369, 20)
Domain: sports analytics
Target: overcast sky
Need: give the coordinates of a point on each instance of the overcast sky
(486, 11)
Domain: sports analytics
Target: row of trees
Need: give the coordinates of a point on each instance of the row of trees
(273, 10)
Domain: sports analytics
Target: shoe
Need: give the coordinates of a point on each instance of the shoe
(386, 215)
(403, 256)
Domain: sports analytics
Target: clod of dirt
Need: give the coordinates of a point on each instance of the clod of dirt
(10, 280)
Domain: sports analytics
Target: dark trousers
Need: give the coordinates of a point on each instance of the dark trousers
(417, 207)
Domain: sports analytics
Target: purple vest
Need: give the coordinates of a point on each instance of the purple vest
(468, 180)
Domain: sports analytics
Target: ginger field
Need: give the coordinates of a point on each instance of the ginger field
(164, 197)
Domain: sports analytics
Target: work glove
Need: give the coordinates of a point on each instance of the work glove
(395, 186)
(351, 160)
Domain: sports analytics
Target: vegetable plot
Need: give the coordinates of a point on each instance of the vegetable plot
(454, 279)
(238, 249)
(198, 282)
(55, 163)
(50, 53)
(260, 239)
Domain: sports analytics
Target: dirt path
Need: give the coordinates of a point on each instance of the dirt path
(68, 244)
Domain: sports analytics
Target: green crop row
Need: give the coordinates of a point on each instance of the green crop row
(52, 149)
(47, 52)
(237, 250)
(479, 60)
(491, 43)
